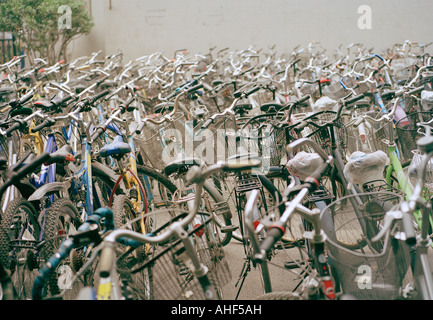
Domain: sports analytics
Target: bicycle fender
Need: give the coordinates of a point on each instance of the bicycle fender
(48, 189)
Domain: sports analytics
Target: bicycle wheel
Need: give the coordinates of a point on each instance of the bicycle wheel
(159, 194)
(124, 213)
(19, 237)
(61, 219)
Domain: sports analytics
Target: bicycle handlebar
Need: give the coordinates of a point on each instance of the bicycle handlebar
(196, 175)
(169, 116)
(311, 183)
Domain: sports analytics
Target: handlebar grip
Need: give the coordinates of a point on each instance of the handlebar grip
(64, 100)
(303, 99)
(12, 128)
(300, 126)
(26, 97)
(408, 229)
(354, 99)
(274, 234)
(42, 125)
(253, 90)
(296, 61)
(195, 88)
(140, 127)
(317, 176)
(416, 90)
(99, 96)
(106, 261)
(206, 124)
(97, 133)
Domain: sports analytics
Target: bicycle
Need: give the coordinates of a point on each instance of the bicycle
(200, 278)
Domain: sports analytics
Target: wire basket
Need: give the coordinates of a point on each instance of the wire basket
(365, 269)
(265, 141)
(408, 132)
(161, 144)
(382, 136)
(403, 69)
(322, 136)
(166, 273)
(216, 143)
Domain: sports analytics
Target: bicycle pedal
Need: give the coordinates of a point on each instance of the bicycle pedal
(293, 264)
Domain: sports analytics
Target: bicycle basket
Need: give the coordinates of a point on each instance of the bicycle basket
(161, 144)
(363, 136)
(408, 133)
(382, 136)
(322, 136)
(167, 274)
(216, 143)
(265, 141)
(365, 269)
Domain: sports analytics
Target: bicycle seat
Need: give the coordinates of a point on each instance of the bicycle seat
(181, 165)
(269, 107)
(24, 111)
(117, 148)
(64, 154)
(43, 104)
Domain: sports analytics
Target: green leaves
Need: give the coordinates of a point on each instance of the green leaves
(36, 23)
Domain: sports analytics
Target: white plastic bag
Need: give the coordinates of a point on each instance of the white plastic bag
(365, 167)
(427, 100)
(304, 164)
(325, 103)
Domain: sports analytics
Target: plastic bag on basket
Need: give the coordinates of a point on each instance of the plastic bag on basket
(365, 167)
(303, 164)
(325, 103)
(415, 167)
(427, 100)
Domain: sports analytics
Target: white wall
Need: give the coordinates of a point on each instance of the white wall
(138, 27)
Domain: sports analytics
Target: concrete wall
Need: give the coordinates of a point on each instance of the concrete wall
(138, 27)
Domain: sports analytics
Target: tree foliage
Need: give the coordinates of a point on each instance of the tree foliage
(36, 24)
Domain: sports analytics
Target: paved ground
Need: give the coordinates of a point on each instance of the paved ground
(252, 288)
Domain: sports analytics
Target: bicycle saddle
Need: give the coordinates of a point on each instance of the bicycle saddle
(64, 154)
(181, 165)
(117, 148)
(269, 107)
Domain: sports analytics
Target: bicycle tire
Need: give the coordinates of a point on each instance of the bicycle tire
(20, 220)
(123, 213)
(61, 218)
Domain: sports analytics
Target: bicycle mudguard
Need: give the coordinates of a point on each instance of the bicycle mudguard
(48, 189)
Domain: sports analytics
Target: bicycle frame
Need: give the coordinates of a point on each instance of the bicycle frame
(403, 182)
